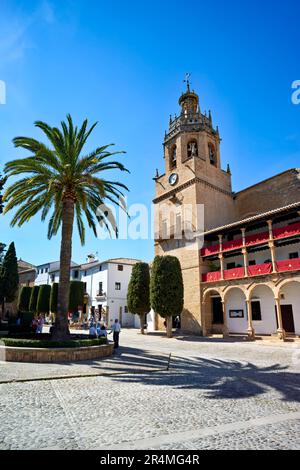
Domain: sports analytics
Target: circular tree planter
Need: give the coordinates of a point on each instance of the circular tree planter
(22, 354)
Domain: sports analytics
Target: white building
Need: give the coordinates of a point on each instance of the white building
(48, 273)
(106, 284)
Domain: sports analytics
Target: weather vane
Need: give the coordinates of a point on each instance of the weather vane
(187, 80)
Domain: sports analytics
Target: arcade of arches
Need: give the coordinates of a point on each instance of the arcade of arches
(266, 308)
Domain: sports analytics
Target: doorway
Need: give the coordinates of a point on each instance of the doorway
(287, 318)
(217, 311)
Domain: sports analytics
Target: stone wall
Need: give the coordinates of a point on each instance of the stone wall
(14, 354)
(278, 191)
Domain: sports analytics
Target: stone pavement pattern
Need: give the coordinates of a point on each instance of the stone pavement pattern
(217, 394)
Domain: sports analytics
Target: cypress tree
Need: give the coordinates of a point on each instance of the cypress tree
(166, 288)
(138, 294)
(53, 297)
(9, 277)
(24, 299)
(43, 300)
(76, 295)
(33, 298)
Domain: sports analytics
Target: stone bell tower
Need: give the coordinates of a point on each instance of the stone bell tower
(193, 182)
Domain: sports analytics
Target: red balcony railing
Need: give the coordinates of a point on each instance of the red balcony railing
(260, 269)
(256, 270)
(256, 239)
(288, 231)
(211, 277)
(288, 265)
(235, 273)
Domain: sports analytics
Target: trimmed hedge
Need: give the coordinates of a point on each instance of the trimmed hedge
(53, 297)
(43, 300)
(76, 295)
(36, 343)
(24, 298)
(33, 298)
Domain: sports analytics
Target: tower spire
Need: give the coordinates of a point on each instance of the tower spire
(187, 81)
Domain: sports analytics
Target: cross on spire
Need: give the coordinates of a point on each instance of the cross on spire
(187, 81)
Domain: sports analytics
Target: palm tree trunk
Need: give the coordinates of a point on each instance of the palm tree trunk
(61, 330)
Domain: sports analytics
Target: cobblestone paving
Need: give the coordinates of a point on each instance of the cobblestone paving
(217, 394)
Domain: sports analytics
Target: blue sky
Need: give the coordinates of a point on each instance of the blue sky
(122, 63)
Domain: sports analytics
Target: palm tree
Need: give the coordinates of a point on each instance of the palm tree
(60, 179)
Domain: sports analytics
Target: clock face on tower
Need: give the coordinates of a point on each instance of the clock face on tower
(173, 178)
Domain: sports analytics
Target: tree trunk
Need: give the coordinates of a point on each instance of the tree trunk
(61, 329)
(142, 319)
(169, 327)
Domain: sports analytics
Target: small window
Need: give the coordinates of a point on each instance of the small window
(230, 265)
(120, 267)
(117, 286)
(212, 154)
(42, 270)
(46, 270)
(252, 262)
(85, 273)
(100, 288)
(76, 274)
(294, 255)
(85, 286)
(173, 157)
(125, 309)
(52, 277)
(256, 310)
(100, 268)
(192, 149)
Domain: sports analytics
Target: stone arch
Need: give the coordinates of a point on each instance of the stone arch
(208, 324)
(230, 288)
(211, 290)
(255, 286)
(263, 307)
(192, 148)
(173, 157)
(235, 307)
(288, 293)
(283, 283)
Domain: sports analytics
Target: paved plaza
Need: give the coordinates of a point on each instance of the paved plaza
(217, 394)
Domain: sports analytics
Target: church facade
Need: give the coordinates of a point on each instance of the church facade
(241, 267)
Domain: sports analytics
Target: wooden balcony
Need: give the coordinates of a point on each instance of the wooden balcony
(255, 270)
(252, 240)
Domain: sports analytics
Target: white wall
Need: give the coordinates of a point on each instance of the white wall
(268, 324)
(235, 300)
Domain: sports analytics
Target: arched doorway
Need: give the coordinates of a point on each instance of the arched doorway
(236, 310)
(264, 318)
(212, 317)
(289, 295)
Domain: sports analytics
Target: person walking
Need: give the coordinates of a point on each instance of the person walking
(116, 329)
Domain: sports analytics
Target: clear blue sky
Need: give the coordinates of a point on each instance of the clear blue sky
(122, 63)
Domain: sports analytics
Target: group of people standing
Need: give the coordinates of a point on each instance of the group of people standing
(99, 330)
(38, 324)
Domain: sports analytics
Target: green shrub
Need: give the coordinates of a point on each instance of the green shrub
(76, 295)
(24, 299)
(43, 301)
(33, 298)
(53, 297)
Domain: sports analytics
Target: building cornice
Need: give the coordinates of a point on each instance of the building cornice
(186, 185)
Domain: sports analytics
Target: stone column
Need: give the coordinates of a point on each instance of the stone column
(273, 256)
(280, 331)
(250, 331)
(221, 258)
(225, 326)
(245, 255)
(272, 246)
